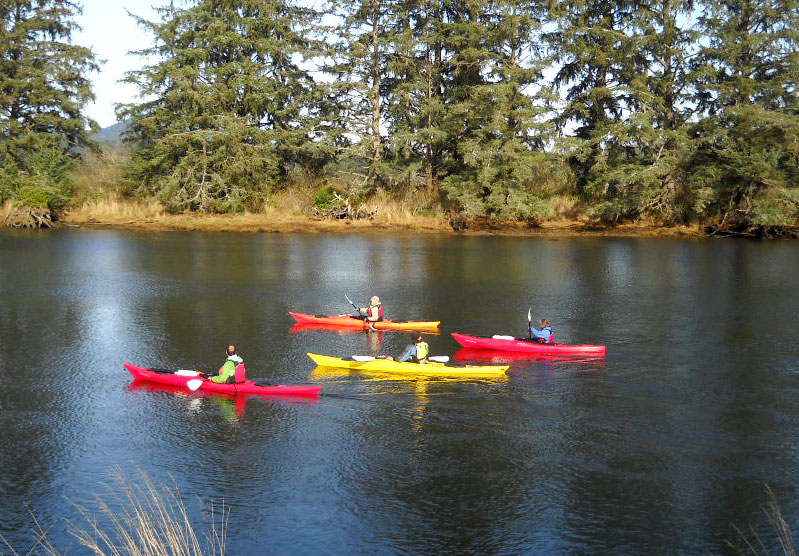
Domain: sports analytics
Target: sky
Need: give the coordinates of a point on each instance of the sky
(112, 33)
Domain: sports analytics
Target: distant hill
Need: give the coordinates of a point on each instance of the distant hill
(111, 136)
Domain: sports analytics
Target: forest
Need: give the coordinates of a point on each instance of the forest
(503, 111)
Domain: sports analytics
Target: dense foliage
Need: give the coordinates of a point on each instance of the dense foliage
(43, 91)
(513, 110)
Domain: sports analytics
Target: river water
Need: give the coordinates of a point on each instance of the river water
(663, 447)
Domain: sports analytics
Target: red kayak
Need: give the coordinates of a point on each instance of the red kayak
(509, 343)
(495, 357)
(181, 378)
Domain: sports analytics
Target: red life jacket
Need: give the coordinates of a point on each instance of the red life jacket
(239, 374)
(379, 312)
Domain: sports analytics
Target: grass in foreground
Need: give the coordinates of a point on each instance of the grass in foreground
(151, 520)
(750, 542)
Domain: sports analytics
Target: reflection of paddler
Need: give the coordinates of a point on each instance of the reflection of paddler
(374, 341)
(230, 410)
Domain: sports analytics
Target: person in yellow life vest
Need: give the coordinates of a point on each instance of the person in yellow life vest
(228, 369)
(417, 351)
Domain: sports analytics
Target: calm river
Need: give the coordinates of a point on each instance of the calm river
(663, 447)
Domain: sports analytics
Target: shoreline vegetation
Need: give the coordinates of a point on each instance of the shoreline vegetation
(602, 118)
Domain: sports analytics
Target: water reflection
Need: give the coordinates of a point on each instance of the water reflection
(658, 449)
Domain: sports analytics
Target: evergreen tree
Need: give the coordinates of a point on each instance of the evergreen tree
(647, 171)
(232, 112)
(499, 163)
(361, 52)
(43, 93)
(597, 59)
(745, 169)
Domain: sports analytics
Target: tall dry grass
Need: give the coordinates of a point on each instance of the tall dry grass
(147, 519)
(751, 543)
(97, 192)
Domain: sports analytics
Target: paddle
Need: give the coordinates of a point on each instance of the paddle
(530, 322)
(361, 313)
(195, 383)
(436, 358)
(353, 304)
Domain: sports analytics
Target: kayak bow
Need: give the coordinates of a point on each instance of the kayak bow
(181, 379)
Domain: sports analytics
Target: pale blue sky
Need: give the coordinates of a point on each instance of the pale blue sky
(111, 33)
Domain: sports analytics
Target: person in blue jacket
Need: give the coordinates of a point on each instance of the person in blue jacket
(416, 352)
(542, 335)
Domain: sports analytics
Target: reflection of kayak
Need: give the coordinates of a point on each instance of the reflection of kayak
(239, 401)
(351, 322)
(509, 343)
(390, 366)
(322, 372)
(246, 387)
(470, 355)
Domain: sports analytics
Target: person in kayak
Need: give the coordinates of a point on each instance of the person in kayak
(542, 335)
(228, 368)
(416, 352)
(372, 313)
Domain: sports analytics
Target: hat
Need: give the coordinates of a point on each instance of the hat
(375, 300)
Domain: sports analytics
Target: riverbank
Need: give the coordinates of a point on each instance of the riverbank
(254, 223)
(151, 217)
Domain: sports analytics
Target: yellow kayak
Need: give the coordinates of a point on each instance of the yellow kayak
(429, 369)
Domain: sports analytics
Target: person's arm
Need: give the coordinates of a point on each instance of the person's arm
(225, 373)
(409, 351)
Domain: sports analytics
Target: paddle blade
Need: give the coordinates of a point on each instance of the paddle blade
(362, 358)
(530, 315)
(439, 358)
(194, 384)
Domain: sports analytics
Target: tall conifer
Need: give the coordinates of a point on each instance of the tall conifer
(231, 111)
(44, 89)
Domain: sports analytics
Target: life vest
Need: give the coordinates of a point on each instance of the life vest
(551, 337)
(422, 349)
(239, 374)
(379, 313)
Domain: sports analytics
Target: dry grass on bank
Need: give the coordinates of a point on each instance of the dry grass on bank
(147, 519)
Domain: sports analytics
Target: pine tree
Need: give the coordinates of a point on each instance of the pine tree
(596, 59)
(361, 52)
(44, 90)
(745, 169)
(499, 164)
(232, 113)
(648, 170)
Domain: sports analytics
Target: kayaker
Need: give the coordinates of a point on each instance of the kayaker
(228, 368)
(374, 312)
(416, 352)
(542, 335)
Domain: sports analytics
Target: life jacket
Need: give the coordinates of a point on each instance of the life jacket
(551, 337)
(234, 377)
(379, 313)
(422, 349)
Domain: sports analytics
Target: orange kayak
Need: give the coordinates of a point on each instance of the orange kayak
(349, 321)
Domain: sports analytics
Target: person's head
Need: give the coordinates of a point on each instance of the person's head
(375, 301)
(231, 350)
(416, 337)
(544, 323)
